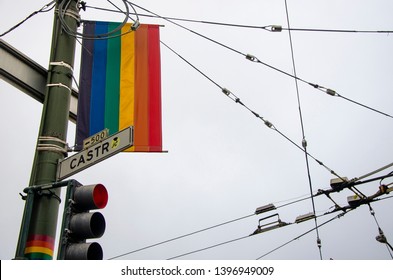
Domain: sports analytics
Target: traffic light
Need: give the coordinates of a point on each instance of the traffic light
(80, 224)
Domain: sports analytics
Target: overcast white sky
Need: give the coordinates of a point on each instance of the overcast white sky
(223, 162)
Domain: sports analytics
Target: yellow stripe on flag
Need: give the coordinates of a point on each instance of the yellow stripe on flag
(127, 80)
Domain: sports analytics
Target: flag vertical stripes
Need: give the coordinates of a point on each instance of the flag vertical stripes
(120, 84)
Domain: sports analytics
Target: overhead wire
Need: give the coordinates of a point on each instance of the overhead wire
(270, 27)
(202, 230)
(248, 236)
(181, 236)
(256, 60)
(249, 56)
(237, 100)
(343, 211)
(209, 247)
(339, 30)
(224, 90)
(46, 8)
(304, 141)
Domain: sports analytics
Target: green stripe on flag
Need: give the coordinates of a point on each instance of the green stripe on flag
(112, 89)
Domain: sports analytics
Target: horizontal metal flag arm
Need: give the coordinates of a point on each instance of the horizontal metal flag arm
(28, 76)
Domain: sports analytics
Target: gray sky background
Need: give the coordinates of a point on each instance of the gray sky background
(223, 162)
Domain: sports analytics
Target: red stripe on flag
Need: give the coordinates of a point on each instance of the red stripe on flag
(155, 127)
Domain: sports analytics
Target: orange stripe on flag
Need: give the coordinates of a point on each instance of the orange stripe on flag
(142, 90)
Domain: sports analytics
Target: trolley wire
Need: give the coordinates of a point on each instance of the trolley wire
(343, 211)
(181, 236)
(248, 236)
(303, 234)
(209, 247)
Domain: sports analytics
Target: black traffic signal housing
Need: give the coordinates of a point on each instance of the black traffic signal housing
(80, 224)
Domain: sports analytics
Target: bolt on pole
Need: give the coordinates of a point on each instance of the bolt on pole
(39, 222)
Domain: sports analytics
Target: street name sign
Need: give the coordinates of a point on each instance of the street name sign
(94, 154)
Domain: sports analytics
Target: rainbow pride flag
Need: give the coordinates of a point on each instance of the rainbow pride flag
(120, 84)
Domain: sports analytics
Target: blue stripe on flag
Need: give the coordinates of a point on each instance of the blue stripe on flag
(97, 101)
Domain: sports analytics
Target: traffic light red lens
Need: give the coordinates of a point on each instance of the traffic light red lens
(100, 196)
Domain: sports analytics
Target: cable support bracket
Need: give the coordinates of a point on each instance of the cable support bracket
(60, 85)
(72, 14)
(48, 147)
(62, 64)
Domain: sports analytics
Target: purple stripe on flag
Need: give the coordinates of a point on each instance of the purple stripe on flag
(83, 119)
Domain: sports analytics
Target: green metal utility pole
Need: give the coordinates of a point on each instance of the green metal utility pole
(39, 222)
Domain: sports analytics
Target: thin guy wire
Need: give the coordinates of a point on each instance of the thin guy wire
(303, 132)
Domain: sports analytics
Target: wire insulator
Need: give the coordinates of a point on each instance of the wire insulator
(226, 91)
(276, 28)
(251, 57)
(331, 92)
(268, 124)
(304, 143)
